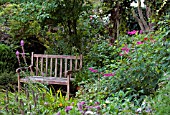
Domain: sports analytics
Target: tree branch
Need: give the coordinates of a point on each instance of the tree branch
(139, 21)
(141, 16)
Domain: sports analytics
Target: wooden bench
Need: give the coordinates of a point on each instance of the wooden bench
(51, 69)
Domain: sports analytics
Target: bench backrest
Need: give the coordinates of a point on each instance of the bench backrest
(55, 65)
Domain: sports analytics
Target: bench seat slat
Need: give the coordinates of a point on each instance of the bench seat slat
(47, 80)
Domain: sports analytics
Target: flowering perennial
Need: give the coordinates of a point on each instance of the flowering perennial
(109, 74)
(139, 42)
(132, 32)
(68, 108)
(125, 49)
(93, 70)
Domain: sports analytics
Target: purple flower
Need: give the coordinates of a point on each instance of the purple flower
(80, 107)
(22, 42)
(109, 74)
(17, 53)
(96, 103)
(97, 107)
(58, 113)
(139, 42)
(89, 107)
(83, 102)
(68, 108)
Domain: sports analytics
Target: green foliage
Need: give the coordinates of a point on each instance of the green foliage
(34, 99)
(161, 102)
(8, 78)
(136, 72)
(46, 22)
(80, 76)
(8, 59)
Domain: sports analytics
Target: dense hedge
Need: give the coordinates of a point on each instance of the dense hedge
(8, 60)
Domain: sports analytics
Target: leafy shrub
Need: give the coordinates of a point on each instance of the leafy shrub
(8, 59)
(8, 78)
(143, 61)
(161, 102)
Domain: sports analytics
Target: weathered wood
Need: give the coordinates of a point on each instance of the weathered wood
(65, 67)
(32, 58)
(41, 65)
(57, 56)
(36, 66)
(71, 62)
(46, 70)
(75, 64)
(46, 80)
(58, 70)
(51, 66)
(61, 65)
(56, 67)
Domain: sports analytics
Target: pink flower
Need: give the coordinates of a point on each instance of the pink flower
(22, 42)
(126, 49)
(140, 32)
(108, 74)
(17, 53)
(132, 32)
(120, 54)
(91, 17)
(90, 68)
(139, 42)
(83, 102)
(93, 70)
(110, 44)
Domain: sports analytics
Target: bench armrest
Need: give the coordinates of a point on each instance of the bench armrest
(30, 68)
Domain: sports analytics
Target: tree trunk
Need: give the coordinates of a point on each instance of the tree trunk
(142, 17)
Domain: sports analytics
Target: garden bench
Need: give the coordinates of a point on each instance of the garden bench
(51, 69)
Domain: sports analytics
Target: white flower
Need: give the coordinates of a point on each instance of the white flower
(91, 101)
(89, 113)
(107, 101)
(139, 110)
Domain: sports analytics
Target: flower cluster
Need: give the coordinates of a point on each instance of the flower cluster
(83, 108)
(139, 42)
(23, 53)
(93, 70)
(126, 49)
(134, 32)
(104, 74)
(108, 74)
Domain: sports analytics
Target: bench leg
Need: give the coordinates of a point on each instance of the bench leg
(19, 86)
(68, 90)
